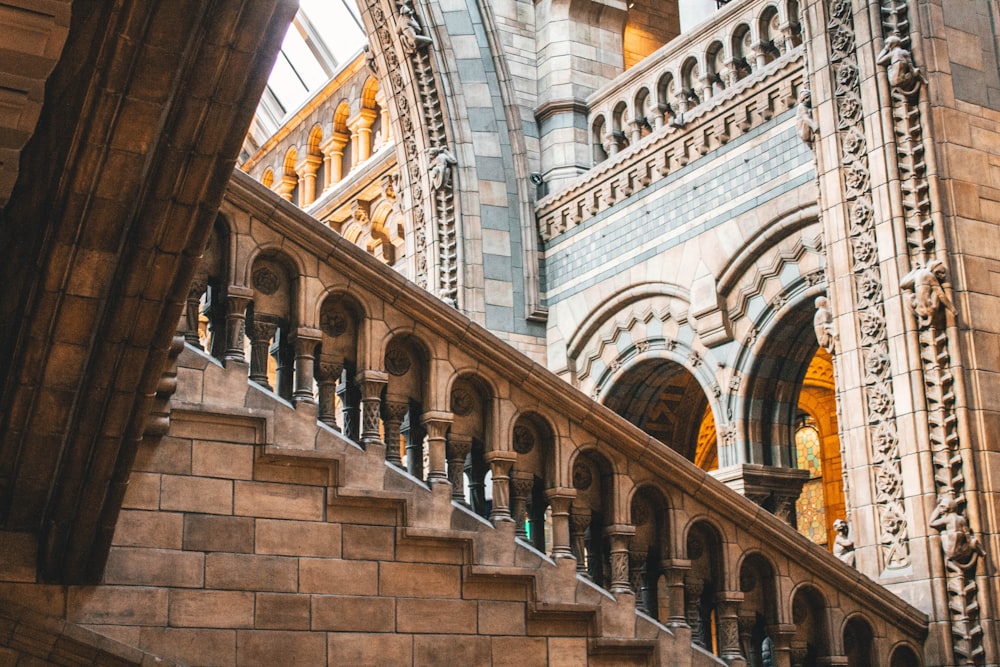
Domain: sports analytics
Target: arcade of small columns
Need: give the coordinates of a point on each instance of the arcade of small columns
(327, 160)
(380, 382)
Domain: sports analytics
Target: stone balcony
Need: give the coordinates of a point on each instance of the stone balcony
(687, 99)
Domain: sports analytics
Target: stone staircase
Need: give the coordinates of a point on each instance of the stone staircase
(265, 536)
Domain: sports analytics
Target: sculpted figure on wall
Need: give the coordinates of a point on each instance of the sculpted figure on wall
(843, 545)
(903, 74)
(440, 170)
(926, 294)
(960, 546)
(805, 126)
(370, 61)
(826, 335)
(411, 35)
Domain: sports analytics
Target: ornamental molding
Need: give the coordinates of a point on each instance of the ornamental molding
(712, 124)
(868, 289)
(925, 287)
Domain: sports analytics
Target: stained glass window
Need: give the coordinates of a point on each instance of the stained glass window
(809, 508)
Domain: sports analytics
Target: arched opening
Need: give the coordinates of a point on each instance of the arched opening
(904, 656)
(532, 474)
(619, 138)
(468, 442)
(758, 610)
(715, 60)
(643, 115)
(649, 551)
(406, 363)
(601, 145)
(791, 421)
(817, 449)
(665, 400)
(590, 515)
(741, 67)
(702, 583)
(666, 97)
(270, 322)
(340, 145)
(336, 365)
(206, 306)
(317, 165)
(289, 186)
(771, 39)
(689, 94)
(858, 643)
(810, 642)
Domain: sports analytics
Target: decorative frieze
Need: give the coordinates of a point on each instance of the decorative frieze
(671, 147)
(893, 532)
(925, 288)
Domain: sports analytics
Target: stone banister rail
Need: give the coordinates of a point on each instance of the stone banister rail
(408, 370)
(693, 69)
(671, 146)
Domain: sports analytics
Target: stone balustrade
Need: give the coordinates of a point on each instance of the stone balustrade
(697, 68)
(344, 338)
(672, 148)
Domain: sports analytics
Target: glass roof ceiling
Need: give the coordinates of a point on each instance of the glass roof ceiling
(324, 36)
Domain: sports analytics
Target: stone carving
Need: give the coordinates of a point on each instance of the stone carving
(266, 281)
(462, 402)
(904, 76)
(640, 512)
(370, 62)
(582, 476)
(411, 34)
(960, 545)
(843, 545)
(441, 160)
(805, 126)
(894, 551)
(926, 294)
(524, 439)
(332, 321)
(826, 335)
(397, 361)
(924, 282)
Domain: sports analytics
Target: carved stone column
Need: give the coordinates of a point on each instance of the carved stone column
(781, 644)
(728, 605)
(361, 128)
(372, 383)
(386, 125)
(692, 609)
(192, 311)
(458, 449)
(286, 186)
(350, 400)
(261, 332)
(237, 300)
(500, 464)
(579, 523)
(620, 536)
(675, 571)
(395, 413)
(637, 579)
(522, 482)
(333, 157)
(306, 340)
(328, 372)
(436, 423)
(306, 169)
(560, 500)
(745, 625)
